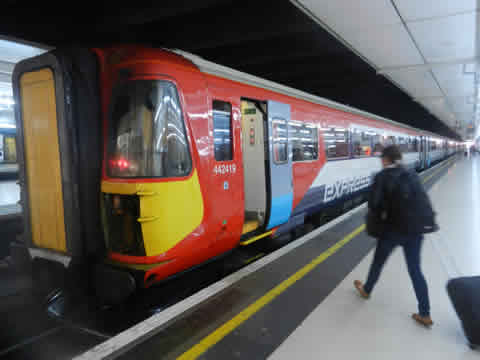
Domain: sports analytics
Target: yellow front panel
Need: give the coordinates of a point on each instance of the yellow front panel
(169, 211)
(42, 159)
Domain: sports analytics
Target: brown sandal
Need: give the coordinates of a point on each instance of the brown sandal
(423, 320)
(359, 286)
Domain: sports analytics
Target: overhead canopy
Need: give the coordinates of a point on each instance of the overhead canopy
(272, 39)
(428, 48)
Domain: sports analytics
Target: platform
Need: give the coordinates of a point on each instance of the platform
(345, 325)
(299, 302)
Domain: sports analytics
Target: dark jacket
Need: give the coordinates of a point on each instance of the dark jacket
(379, 199)
(414, 215)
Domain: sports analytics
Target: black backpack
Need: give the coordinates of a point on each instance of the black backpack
(409, 208)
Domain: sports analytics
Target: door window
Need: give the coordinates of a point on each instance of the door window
(280, 141)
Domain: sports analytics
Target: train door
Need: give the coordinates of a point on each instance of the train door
(423, 152)
(255, 175)
(281, 180)
(267, 164)
(43, 167)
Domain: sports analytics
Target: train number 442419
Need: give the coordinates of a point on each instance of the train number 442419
(225, 169)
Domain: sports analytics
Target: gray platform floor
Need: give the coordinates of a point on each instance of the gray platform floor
(345, 326)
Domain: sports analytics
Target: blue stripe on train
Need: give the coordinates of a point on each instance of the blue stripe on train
(313, 202)
(281, 210)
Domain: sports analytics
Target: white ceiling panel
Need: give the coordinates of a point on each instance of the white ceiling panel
(435, 104)
(452, 72)
(419, 82)
(453, 88)
(396, 36)
(465, 117)
(454, 81)
(447, 38)
(388, 46)
(342, 15)
(424, 9)
(461, 105)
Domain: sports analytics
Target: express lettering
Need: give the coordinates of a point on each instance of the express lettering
(345, 187)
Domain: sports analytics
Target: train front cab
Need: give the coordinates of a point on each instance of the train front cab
(168, 201)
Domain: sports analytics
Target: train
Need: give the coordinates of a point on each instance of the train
(8, 153)
(161, 161)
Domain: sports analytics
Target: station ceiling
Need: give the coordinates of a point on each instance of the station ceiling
(272, 39)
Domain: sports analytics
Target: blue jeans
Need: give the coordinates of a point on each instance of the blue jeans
(412, 245)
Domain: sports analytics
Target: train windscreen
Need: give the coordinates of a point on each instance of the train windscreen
(147, 132)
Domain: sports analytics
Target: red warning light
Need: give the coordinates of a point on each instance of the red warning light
(120, 163)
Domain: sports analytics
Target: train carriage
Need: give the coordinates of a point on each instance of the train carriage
(196, 158)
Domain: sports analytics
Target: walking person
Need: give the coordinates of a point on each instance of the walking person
(399, 213)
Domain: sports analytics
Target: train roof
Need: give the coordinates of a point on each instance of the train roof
(211, 68)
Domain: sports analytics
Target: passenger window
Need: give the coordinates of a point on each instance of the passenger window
(402, 144)
(377, 141)
(222, 130)
(415, 144)
(304, 139)
(390, 140)
(336, 142)
(280, 140)
(362, 143)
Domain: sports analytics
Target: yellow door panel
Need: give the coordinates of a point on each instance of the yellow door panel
(42, 158)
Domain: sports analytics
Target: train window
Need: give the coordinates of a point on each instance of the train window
(410, 144)
(280, 140)
(222, 130)
(402, 143)
(377, 141)
(390, 140)
(414, 144)
(362, 142)
(147, 136)
(336, 142)
(304, 139)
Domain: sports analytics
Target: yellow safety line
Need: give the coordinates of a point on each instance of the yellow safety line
(217, 335)
(254, 258)
(436, 171)
(222, 331)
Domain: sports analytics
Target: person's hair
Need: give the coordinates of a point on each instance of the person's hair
(392, 153)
